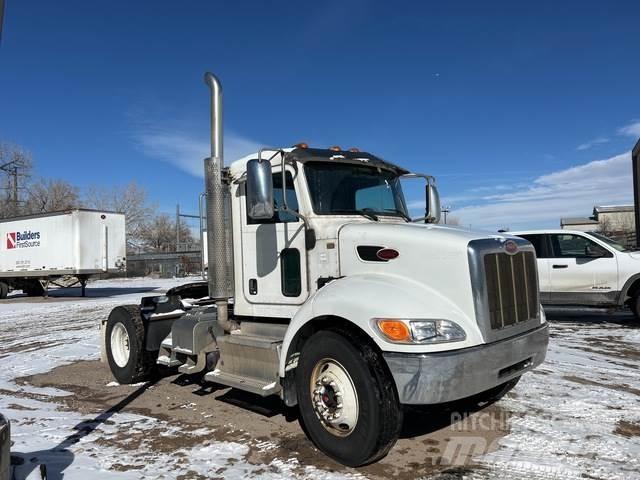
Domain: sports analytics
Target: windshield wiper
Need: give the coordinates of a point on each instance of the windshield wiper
(401, 213)
(365, 212)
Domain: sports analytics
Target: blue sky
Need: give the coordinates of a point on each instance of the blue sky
(524, 111)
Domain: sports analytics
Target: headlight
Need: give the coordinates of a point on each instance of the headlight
(419, 331)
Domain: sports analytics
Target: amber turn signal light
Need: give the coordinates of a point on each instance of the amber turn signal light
(394, 330)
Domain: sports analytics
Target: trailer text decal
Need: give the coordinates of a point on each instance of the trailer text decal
(25, 239)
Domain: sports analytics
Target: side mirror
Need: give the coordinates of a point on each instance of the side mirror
(432, 212)
(259, 190)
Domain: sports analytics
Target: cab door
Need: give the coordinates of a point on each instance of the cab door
(582, 271)
(274, 266)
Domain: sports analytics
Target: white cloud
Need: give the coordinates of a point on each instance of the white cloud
(592, 143)
(570, 192)
(631, 130)
(187, 152)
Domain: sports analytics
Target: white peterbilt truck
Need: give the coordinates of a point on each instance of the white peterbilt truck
(323, 291)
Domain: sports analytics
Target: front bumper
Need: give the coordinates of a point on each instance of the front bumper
(431, 378)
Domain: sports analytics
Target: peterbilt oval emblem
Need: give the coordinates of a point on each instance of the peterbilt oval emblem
(511, 247)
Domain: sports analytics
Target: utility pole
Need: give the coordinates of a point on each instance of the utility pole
(177, 227)
(15, 187)
(446, 209)
(12, 170)
(1, 17)
(178, 217)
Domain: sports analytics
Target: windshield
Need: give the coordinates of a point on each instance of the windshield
(608, 241)
(347, 188)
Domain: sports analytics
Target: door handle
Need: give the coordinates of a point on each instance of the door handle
(560, 266)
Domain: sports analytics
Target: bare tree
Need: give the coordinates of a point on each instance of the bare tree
(159, 234)
(131, 200)
(50, 196)
(605, 227)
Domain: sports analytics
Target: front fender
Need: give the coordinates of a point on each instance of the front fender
(360, 298)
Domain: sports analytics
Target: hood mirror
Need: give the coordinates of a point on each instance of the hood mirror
(259, 190)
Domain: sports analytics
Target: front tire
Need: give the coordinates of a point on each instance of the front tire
(124, 342)
(347, 400)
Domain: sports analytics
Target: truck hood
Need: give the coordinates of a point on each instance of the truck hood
(433, 258)
(418, 239)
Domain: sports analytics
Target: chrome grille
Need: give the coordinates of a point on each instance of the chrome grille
(512, 288)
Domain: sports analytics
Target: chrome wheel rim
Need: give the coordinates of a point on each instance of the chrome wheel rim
(120, 345)
(334, 397)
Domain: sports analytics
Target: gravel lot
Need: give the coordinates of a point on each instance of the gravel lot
(577, 416)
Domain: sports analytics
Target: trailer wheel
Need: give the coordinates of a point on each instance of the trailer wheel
(347, 400)
(124, 341)
(4, 290)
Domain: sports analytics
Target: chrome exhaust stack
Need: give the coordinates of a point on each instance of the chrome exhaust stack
(220, 288)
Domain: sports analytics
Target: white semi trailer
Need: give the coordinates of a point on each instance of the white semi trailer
(323, 291)
(38, 249)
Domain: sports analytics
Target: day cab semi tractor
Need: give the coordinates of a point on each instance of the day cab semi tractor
(322, 290)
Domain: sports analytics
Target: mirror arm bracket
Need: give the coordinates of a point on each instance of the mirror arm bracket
(310, 238)
(430, 180)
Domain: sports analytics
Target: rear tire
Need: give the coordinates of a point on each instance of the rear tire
(124, 343)
(634, 305)
(4, 290)
(347, 399)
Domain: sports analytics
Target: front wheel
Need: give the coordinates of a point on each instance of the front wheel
(347, 400)
(128, 359)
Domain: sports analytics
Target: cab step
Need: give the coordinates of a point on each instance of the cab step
(248, 362)
(253, 385)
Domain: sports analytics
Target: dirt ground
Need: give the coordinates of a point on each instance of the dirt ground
(431, 441)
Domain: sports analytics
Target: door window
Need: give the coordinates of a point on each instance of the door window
(576, 246)
(292, 202)
(291, 280)
(539, 243)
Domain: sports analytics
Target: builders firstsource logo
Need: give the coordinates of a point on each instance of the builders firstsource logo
(26, 239)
